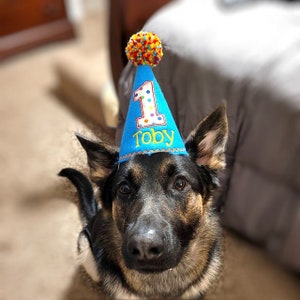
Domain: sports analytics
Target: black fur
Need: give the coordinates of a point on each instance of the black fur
(87, 202)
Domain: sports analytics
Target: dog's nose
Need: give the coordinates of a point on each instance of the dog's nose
(146, 246)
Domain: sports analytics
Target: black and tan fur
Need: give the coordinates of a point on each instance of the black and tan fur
(157, 234)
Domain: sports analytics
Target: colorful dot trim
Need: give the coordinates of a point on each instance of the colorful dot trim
(149, 152)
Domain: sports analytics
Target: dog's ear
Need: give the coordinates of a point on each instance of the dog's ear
(206, 143)
(101, 157)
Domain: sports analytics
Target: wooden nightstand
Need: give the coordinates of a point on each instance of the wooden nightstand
(30, 23)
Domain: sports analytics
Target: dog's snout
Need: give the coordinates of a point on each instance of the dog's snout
(150, 245)
(146, 246)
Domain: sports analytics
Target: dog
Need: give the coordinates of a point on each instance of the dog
(155, 232)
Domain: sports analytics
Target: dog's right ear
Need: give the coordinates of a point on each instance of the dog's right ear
(101, 157)
(206, 143)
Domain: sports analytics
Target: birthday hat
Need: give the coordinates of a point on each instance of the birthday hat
(149, 127)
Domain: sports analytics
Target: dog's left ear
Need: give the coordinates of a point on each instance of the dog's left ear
(101, 157)
(206, 143)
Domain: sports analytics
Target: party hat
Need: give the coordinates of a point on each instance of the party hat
(149, 127)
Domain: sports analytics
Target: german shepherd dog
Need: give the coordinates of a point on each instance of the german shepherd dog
(155, 232)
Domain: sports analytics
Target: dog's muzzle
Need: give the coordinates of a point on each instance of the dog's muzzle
(148, 249)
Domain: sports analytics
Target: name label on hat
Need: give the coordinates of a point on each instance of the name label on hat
(150, 116)
(152, 136)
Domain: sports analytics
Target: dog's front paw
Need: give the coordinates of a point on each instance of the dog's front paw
(86, 257)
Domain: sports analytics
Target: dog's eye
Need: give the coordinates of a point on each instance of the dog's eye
(125, 189)
(180, 183)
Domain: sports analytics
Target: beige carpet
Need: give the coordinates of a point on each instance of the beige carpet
(39, 221)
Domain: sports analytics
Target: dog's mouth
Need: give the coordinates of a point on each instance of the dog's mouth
(152, 267)
(152, 271)
(148, 270)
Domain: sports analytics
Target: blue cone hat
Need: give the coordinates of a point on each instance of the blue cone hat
(149, 126)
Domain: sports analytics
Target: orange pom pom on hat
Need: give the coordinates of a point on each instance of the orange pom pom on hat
(149, 126)
(144, 48)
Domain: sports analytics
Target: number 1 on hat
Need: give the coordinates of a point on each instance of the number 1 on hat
(150, 116)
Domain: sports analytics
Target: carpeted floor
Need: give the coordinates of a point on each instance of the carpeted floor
(39, 222)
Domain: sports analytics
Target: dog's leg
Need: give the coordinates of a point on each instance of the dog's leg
(88, 209)
(87, 205)
(86, 257)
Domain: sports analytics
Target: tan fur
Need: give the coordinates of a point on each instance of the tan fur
(211, 155)
(211, 147)
(86, 258)
(137, 173)
(195, 205)
(164, 167)
(98, 173)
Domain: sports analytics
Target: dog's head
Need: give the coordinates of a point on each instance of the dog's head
(158, 202)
